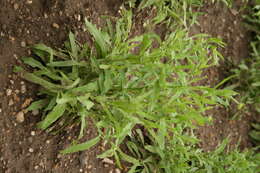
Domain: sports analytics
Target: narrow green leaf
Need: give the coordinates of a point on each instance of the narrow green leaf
(54, 115)
(99, 37)
(67, 63)
(33, 62)
(39, 104)
(73, 46)
(81, 147)
(40, 81)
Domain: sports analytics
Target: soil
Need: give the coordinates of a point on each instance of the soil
(25, 149)
(227, 24)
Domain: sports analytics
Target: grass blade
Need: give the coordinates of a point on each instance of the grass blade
(54, 115)
(81, 147)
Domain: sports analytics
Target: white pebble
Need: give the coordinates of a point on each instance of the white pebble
(33, 133)
(8, 92)
(20, 117)
(108, 161)
(31, 150)
(23, 89)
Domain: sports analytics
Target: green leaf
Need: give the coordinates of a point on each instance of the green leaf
(256, 126)
(99, 37)
(90, 87)
(54, 115)
(39, 104)
(255, 135)
(86, 102)
(128, 158)
(32, 62)
(124, 132)
(67, 63)
(81, 147)
(40, 81)
(73, 46)
(17, 69)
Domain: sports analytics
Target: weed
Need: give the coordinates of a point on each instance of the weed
(138, 91)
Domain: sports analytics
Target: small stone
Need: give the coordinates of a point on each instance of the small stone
(80, 170)
(45, 16)
(35, 112)
(23, 89)
(8, 92)
(33, 133)
(108, 161)
(36, 167)
(117, 170)
(29, 2)
(31, 150)
(23, 44)
(55, 25)
(20, 117)
(48, 141)
(234, 12)
(0, 110)
(11, 102)
(16, 6)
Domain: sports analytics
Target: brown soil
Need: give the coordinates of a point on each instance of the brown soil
(25, 149)
(227, 24)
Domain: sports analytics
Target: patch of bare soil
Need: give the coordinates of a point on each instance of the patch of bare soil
(23, 148)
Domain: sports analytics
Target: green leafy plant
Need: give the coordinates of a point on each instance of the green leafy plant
(138, 91)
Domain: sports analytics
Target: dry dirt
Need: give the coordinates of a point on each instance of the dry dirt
(25, 149)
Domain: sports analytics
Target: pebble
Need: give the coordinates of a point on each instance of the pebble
(23, 89)
(31, 150)
(20, 117)
(117, 170)
(16, 6)
(8, 92)
(29, 2)
(36, 167)
(55, 25)
(33, 133)
(35, 112)
(108, 161)
(23, 44)
(48, 141)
